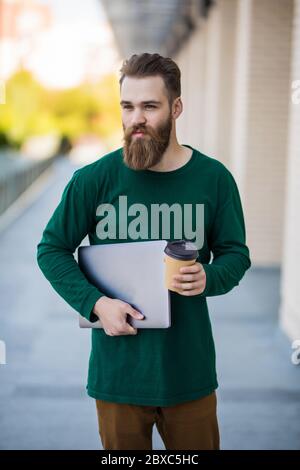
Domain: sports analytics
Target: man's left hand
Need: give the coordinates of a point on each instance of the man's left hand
(191, 280)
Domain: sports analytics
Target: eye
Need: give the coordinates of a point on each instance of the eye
(150, 106)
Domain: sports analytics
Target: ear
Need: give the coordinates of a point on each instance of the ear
(177, 108)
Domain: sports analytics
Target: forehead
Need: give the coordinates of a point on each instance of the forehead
(143, 89)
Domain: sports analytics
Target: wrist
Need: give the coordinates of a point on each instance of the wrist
(97, 309)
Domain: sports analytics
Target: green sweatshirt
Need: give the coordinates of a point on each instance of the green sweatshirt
(156, 367)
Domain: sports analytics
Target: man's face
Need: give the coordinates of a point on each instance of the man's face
(145, 108)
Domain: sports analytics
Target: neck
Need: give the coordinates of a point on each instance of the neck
(174, 157)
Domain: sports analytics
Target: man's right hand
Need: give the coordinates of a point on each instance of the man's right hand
(112, 314)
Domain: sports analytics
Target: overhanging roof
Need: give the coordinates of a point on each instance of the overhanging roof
(153, 25)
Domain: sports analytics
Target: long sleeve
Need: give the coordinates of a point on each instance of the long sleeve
(67, 227)
(226, 240)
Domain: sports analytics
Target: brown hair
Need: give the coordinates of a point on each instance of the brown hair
(146, 65)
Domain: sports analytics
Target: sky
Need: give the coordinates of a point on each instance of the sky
(79, 44)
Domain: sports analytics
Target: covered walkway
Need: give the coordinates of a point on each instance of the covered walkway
(43, 403)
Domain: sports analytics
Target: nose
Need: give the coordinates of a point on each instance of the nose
(138, 118)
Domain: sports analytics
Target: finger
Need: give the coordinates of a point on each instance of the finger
(195, 268)
(187, 285)
(186, 277)
(129, 331)
(189, 293)
(107, 332)
(124, 329)
(133, 312)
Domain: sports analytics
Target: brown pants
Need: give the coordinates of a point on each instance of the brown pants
(191, 425)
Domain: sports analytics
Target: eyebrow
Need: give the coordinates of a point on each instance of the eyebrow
(143, 102)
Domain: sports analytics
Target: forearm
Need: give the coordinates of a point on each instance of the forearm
(224, 273)
(67, 227)
(62, 271)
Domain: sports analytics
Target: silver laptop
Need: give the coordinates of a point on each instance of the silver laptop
(132, 272)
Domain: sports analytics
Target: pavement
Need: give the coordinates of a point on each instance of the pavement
(43, 402)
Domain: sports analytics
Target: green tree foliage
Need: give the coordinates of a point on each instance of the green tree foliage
(31, 109)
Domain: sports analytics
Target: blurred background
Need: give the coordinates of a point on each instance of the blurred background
(59, 110)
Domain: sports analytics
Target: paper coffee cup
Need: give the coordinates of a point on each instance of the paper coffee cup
(178, 253)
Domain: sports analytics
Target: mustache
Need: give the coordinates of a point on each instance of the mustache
(145, 129)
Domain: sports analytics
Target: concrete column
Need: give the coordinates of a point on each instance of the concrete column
(290, 284)
(227, 59)
(182, 121)
(260, 124)
(212, 80)
(208, 69)
(196, 88)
